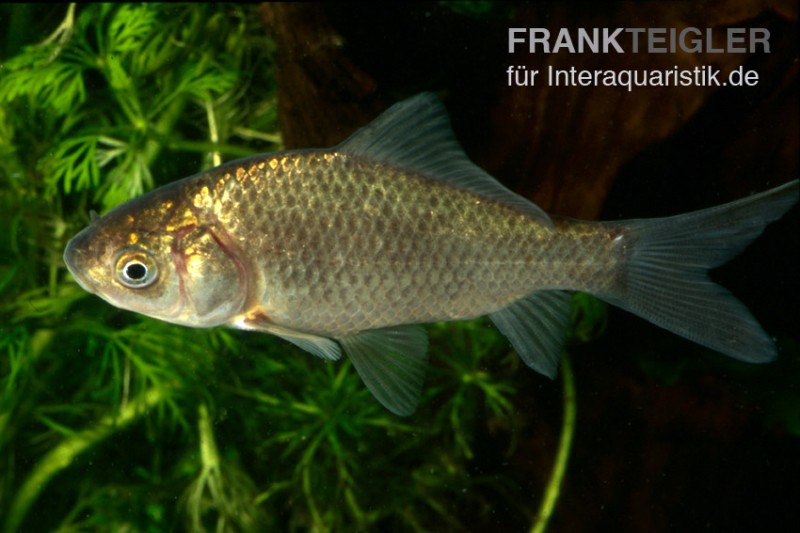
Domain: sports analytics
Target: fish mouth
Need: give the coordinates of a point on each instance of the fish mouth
(74, 258)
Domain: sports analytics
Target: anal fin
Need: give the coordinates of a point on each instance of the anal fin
(537, 327)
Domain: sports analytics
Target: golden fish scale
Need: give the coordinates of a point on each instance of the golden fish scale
(339, 245)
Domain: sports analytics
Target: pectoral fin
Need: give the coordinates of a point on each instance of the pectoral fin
(392, 363)
(314, 344)
(319, 346)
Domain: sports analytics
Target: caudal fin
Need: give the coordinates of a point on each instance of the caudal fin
(666, 280)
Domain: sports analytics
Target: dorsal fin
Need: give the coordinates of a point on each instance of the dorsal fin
(415, 135)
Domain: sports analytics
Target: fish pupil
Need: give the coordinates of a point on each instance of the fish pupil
(135, 271)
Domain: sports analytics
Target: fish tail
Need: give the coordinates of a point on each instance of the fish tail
(665, 274)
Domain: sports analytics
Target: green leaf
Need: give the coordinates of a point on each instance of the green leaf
(131, 26)
(57, 85)
(73, 165)
(127, 180)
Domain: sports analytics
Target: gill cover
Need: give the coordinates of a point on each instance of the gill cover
(213, 279)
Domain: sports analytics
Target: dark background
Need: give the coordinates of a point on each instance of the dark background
(671, 436)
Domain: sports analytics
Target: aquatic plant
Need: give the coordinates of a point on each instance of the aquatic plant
(106, 416)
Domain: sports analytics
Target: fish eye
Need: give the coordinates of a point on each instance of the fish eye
(136, 268)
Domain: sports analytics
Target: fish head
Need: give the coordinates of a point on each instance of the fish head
(155, 258)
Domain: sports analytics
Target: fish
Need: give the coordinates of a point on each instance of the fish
(351, 249)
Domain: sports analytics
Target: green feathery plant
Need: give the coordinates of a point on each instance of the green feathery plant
(110, 420)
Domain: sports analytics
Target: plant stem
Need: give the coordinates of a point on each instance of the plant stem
(562, 458)
(208, 446)
(213, 134)
(60, 457)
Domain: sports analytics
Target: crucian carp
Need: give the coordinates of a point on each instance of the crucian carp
(347, 250)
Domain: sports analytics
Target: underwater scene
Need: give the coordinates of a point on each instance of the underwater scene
(412, 362)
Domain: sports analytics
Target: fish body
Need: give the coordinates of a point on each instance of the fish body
(350, 248)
